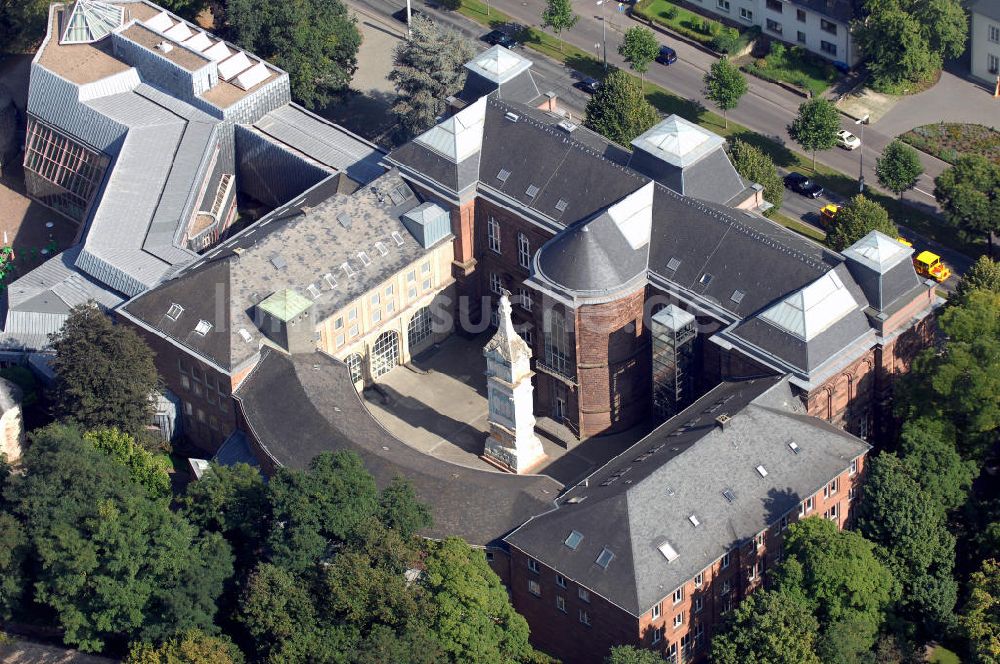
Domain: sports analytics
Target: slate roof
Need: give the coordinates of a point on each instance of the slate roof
(291, 248)
(882, 269)
(643, 498)
(842, 10)
(989, 8)
(297, 407)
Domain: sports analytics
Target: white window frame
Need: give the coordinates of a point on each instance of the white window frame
(525, 298)
(523, 251)
(655, 613)
(854, 467)
(585, 617)
(725, 560)
(493, 234)
(560, 580)
(678, 595)
(561, 603)
(994, 34)
(723, 5)
(583, 594)
(746, 14)
(679, 620)
(698, 605)
(533, 565)
(699, 579)
(534, 587)
(496, 283)
(658, 634)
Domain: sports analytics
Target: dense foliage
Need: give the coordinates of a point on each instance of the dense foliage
(725, 84)
(816, 126)
(755, 165)
(969, 195)
(898, 168)
(559, 15)
(619, 111)
(639, 47)
(856, 219)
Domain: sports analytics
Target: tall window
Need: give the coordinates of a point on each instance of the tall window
(523, 251)
(419, 328)
(828, 48)
(746, 14)
(774, 26)
(828, 26)
(60, 172)
(556, 342)
(995, 33)
(496, 283)
(993, 63)
(493, 234)
(353, 363)
(525, 296)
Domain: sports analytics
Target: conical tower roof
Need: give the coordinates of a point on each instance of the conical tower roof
(90, 21)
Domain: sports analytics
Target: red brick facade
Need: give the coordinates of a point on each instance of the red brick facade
(683, 623)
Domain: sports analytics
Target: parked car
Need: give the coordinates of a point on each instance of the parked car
(667, 56)
(589, 85)
(803, 185)
(847, 140)
(499, 38)
(400, 15)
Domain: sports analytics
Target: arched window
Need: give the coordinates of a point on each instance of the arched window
(353, 362)
(420, 327)
(385, 353)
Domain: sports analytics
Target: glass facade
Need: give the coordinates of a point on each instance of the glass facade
(61, 173)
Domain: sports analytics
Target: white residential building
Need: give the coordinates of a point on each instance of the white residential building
(984, 42)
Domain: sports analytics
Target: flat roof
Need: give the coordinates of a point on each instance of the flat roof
(179, 55)
(77, 63)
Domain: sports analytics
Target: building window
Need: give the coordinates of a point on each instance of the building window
(527, 335)
(783, 524)
(561, 603)
(426, 285)
(496, 283)
(656, 611)
(725, 561)
(722, 4)
(352, 314)
(727, 585)
(375, 299)
(584, 595)
(658, 634)
(699, 604)
(995, 33)
(523, 251)
(60, 172)
(850, 494)
(828, 48)
(425, 268)
(420, 327)
(341, 340)
(753, 571)
(489, 556)
(525, 296)
(833, 486)
(671, 653)
(746, 14)
(185, 382)
(801, 37)
(775, 6)
(533, 565)
(854, 466)
(686, 646)
(678, 620)
(412, 293)
(806, 506)
(493, 234)
(679, 595)
(828, 26)
(584, 617)
(556, 342)
(699, 579)
(411, 276)
(993, 63)
(774, 26)
(534, 588)
(354, 331)
(560, 580)
(353, 362)
(833, 513)
(376, 315)
(800, 15)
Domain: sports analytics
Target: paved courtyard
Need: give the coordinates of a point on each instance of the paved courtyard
(438, 406)
(953, 99)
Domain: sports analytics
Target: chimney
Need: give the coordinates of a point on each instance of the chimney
(722, 421)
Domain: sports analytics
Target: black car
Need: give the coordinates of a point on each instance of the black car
(667, 56)
(499, 38)
(589, 85)
(803, 185)
(400, 15)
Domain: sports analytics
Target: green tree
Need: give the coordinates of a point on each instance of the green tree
(104, 373)
(13, 555)
(146, 470)
(969, 195)
(231, 501)
(755, 165)
(911, 532)
(278, 614)
(856, 219)
(619, 111)
(816, 126)
(896, 47)
(981, 615)
(639, 47)
(769, 628)
(839, 576)
(315, 41)
(929, 453)
(725, 85)
(400, 510)
(899, 167)
(22, 24)
(558, 15)
(111, 562)
(314, 510)
(632, 655)
(192, 647)
(427, 68)
(961, 384)
(983, 275)
(473, 618)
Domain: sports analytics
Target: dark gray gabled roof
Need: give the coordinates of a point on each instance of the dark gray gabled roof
(643, 498)
(842, 10)
(297, 407)
(988, 8)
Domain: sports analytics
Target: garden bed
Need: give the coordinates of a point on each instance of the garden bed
(701, 29)
(948, 141)
(794, 66)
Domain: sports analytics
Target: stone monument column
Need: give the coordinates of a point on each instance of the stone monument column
(512, 444)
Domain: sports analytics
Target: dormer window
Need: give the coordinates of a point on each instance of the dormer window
(202, 327)
(175, 311)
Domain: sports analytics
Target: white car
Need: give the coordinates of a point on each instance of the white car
(847, 140)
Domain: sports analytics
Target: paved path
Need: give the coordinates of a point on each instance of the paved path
(953, 99)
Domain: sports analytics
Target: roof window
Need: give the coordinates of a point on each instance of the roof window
(513, 117)
(203, 327)
(245, 335)
(381, 249)
(503, 175)
(561, 205)
(330, 280)
(694, 521)
(762, 470)
(737, 296)
(397, 238)
(531, 191)
(605, 558)
(348, 270)
(313, 290)
(728, 495)
(278, 262)
(793, 446)
(363, 257)
(673, 264)
(706, 279)
(344, 219)
(175, 311)
(668, 552)
(574, 539)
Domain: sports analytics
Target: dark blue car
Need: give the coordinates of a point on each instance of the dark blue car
(667, 56)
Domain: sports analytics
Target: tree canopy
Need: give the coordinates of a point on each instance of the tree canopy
(427, 68)
(816, 126)
(770, 628)
(559, 15)
(105, 374)
(145, 469)
(981, 617)
(619, 111)
(856, 219)
(983, 275)
(192, 647)
(639, 47)
(899, 167)
(969, 195)
(725, 85)
(755, 165)
(22, 24)
(315, 41)
(632, 655)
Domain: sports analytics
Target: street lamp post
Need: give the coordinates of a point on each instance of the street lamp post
(604, 33)
(861, 168)
(409, 33)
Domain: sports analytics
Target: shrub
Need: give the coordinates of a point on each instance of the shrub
(727, 41)
(670, 13)
(777, 50)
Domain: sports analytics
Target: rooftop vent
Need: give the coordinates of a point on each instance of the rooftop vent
(673, 264)
(668, 552)
(605, 558)
(278, 262)
(245, 335)
(574, 539)
(164, 47)
(203, 327)
(175, 311)
(503, 175)
(694, 521)
(793, 446)
(513, 117)
(344, 219)
(567, 126)
(723, 421)
(762, 470)
(728, 495)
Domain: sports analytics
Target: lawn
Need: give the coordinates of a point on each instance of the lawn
(949, 141)
(795, 67)
(942, 655)
(810, 232)
(687, 23)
